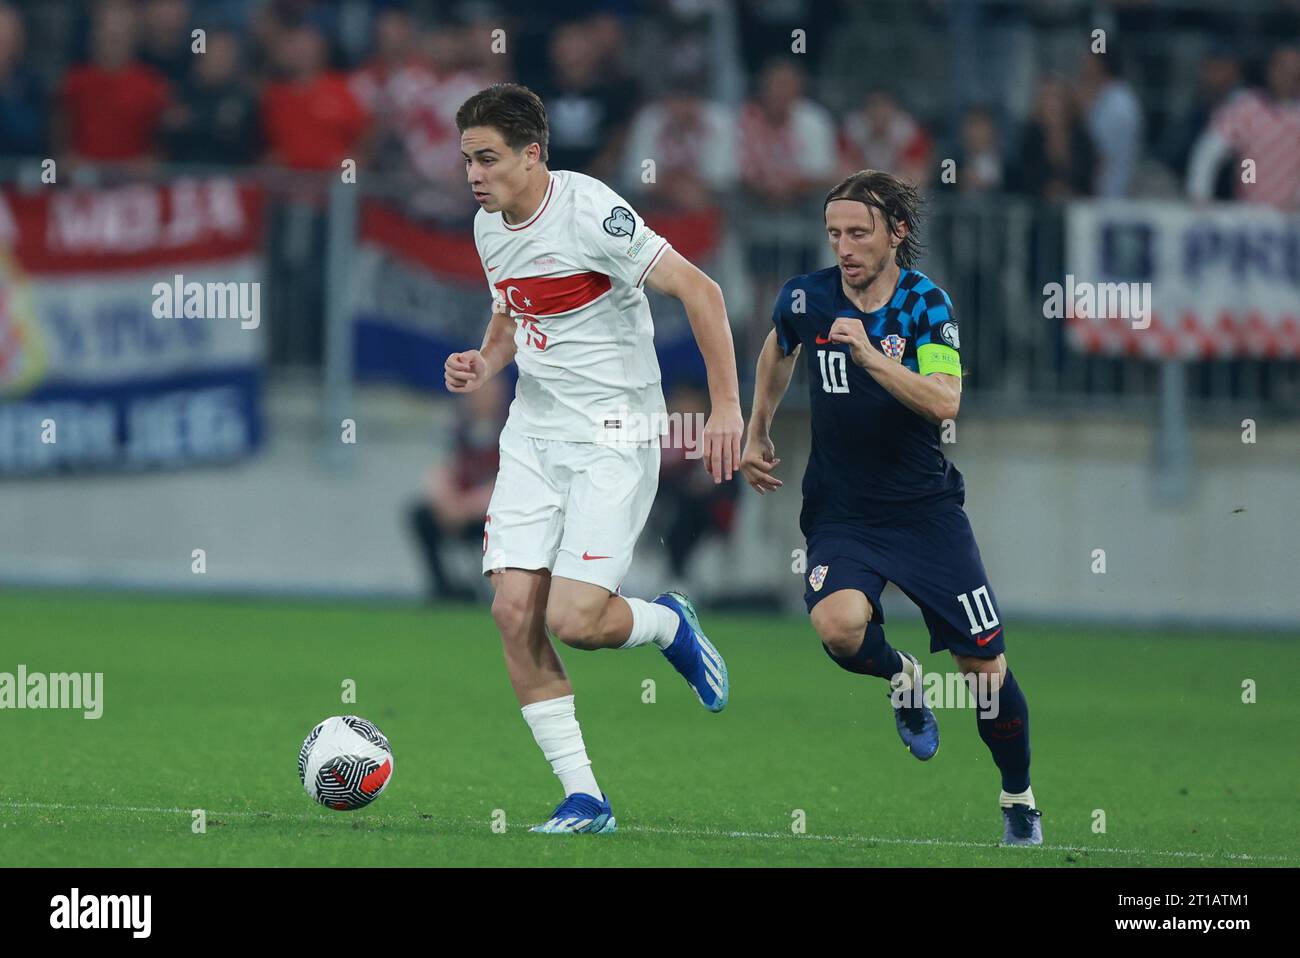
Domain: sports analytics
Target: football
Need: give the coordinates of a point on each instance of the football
(345, 763)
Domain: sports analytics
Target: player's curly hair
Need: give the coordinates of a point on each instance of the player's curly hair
(898, 201)
(512, 109)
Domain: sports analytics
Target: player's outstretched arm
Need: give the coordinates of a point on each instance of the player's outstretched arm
(676, 276)
(770, 383)
(465, 372)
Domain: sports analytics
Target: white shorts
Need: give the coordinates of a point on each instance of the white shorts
(575, 508)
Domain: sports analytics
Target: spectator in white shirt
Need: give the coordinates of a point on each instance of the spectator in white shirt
(692, 142)
(787, 142)
(1114, 119)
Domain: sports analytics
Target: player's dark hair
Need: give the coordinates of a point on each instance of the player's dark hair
(511, 109)
(898, 201)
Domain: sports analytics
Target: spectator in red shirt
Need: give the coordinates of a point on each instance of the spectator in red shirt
(110, 108)
(412, 89)
(310, 118)
(881, 135)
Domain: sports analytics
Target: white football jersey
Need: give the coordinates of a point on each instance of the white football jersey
(571, 277)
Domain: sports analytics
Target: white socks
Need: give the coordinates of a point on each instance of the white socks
(1007, 799)
(651, 622)
(554, 723)
(908, 678)
(555, 729)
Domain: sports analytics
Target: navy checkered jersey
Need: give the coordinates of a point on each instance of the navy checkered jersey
(873, 460)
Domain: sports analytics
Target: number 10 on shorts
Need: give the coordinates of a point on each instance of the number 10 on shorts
(979, 601)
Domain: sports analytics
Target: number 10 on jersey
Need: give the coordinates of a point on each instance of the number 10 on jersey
(835, 372)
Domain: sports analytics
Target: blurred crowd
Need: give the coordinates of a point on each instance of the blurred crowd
(303, 85)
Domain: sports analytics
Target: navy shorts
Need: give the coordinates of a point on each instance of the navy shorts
(933, 560)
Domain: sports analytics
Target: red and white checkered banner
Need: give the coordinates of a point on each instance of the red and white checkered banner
(1169, 279)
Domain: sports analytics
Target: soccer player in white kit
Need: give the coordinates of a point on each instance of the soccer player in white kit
(566, 260)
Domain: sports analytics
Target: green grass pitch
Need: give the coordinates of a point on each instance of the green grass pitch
(207, 701)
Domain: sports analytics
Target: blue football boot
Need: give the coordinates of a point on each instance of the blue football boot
(694, 656)
(580, 813)
(917, 726)
(1022, 825)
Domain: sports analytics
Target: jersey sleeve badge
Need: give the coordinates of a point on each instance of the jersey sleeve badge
(620, 222)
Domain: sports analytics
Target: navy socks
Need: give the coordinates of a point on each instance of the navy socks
(1007, 735)
(874, 657)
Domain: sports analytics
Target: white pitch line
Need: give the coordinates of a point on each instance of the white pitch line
(947, 843)
(701, 833)
(147, 809)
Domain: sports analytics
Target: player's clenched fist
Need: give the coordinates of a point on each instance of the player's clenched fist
(848, 330)
(758, 462)
(465, 371)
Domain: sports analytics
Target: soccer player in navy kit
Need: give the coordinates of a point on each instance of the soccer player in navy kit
(880, 500)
